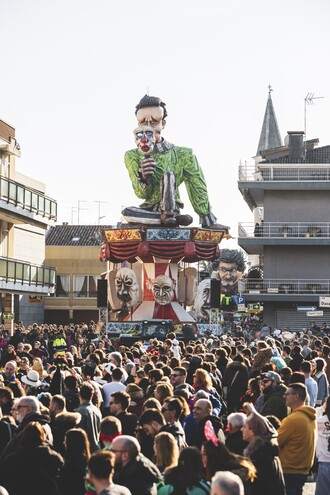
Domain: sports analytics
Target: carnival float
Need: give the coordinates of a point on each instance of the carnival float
(161, 270)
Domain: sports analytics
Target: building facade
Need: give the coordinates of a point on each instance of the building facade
(25, 214)
(74, 251)
(289, 187)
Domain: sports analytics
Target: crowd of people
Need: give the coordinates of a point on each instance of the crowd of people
(81, 414)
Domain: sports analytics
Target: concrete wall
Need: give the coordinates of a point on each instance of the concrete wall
(296, 262)
(297, 206)
(29, 244)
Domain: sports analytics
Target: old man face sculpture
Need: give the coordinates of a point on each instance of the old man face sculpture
(203, 300)
(163, 289)
(127, 287)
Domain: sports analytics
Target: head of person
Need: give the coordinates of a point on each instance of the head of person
(101, 467)
(151, 111)
(151, 421)
(226, 483)
(178, 376)
(172, 409)
(20, 347)
(119, 402)
(10, 369)
(235, 422)
(166, 450)
(26, 405)
(191, 466)
(162, 391)
(110, 428)
(217, 457)
(256, 426)
(33, 435)
(86, 392)
(135, 392)
(117, 374)
(126, 449)
(270, 380)
(295, 395)
(116, 358)
(155, 375)
(70, 382)
(320, 364)
(202, 409)
(57, 405)
(152, 403)
(202, 379)
(77, 444)
(163, 289)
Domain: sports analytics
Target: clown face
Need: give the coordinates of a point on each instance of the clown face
(152, 117)
(163, 289)
(145, 139)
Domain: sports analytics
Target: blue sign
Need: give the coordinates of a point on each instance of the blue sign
(306, 308)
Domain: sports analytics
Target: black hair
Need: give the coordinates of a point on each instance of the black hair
(151, 101)
(230, 256)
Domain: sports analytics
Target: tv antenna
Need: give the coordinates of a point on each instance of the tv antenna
(309, 100)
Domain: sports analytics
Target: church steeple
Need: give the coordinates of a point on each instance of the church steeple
(270, 135)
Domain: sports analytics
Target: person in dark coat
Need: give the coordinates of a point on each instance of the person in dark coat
(263, 451)
(234, 440)
(203, 413)
(72, 475)
(133, 469)
(235, 382)
(33, 467)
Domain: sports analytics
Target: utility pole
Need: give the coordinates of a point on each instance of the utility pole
(79, 208)
(99, 217)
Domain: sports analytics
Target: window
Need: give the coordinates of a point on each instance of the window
(85, 286)
(62, 286)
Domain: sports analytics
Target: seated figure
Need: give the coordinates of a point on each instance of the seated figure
(157, 168)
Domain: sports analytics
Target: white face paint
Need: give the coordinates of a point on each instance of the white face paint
(163, 289)
(145, 139)
(127, 286)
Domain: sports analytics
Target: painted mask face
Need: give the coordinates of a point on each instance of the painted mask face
(163, 289)
(203, 300)
(152, 117)
(127, 286)
(145, 139)
(229, 276)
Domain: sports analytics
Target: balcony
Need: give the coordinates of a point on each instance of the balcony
(285, 289)
(253, 238)
(19, 204)
(284, 172)
(254, 180)
(22, 277)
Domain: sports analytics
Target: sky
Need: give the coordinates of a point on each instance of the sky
(72, 72)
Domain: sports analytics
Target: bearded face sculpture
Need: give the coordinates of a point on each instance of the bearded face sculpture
(127, 287)
(203, 301)
(145, 139)
(163, 289)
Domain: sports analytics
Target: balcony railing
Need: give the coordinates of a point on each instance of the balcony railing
(285, 286)
(84, 294)
(21, 272)
(280, 172)
(285, 229)
(27, 198)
